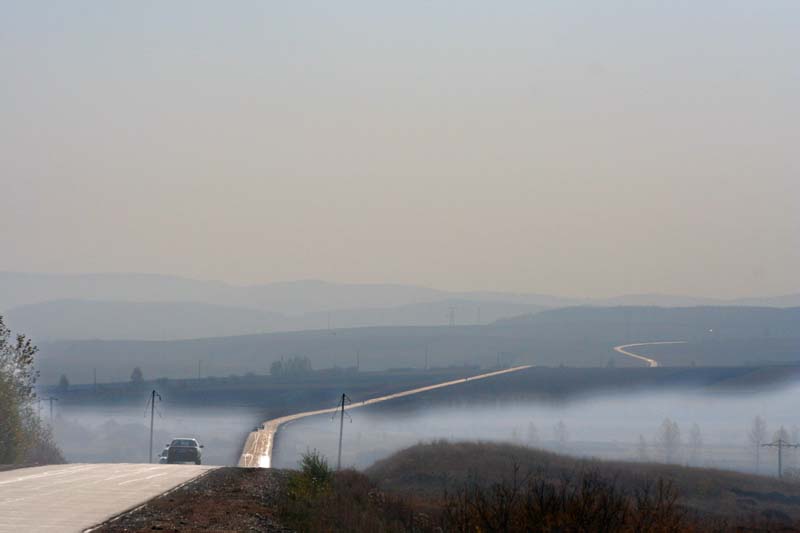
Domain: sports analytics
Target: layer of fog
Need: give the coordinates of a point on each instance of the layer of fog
(597, 426)
(121, 434)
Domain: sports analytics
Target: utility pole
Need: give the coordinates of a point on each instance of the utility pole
(344, 401)
(51, 399)
(780, 444)
(153, 396)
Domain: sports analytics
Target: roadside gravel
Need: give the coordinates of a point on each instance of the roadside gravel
(226, 499)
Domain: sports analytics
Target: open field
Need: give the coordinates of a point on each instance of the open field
(447, 485)
(427, 469)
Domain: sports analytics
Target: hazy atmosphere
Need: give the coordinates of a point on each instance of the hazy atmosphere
(424, 267)
(566, 148)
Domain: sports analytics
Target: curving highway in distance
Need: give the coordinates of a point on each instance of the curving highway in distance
(258, 447)
(652, 363)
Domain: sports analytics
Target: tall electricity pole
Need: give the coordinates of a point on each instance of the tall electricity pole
(344, 401)
(780, 444)
(51, 399)
(153, 396)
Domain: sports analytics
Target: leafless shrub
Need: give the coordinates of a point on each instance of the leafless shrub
(586, 503)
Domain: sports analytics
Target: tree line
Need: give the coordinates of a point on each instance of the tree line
(23, 436)
(671, 445)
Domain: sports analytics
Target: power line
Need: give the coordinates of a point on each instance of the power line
(344, 401)
(780, 444)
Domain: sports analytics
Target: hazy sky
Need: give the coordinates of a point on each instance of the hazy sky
(579, 148)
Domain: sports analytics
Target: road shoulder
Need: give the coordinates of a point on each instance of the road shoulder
(225, 499)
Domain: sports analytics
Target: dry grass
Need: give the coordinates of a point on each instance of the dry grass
(473, 487)
(708, 495)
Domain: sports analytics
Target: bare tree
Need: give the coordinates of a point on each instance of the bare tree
(757, 436)
(561, 434)
(669, 438)
(642, 450)
(137, 378)
(63, 383)
(781, 434)
(695, 445)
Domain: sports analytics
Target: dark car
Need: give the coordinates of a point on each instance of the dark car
(185, 450)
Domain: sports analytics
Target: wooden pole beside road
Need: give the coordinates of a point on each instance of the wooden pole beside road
(153, 396)
(345, 401)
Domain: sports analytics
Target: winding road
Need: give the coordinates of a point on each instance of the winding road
(258, 447)
(652, 363)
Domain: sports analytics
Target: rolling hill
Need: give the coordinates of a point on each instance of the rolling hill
(572, 337)
(154, 321)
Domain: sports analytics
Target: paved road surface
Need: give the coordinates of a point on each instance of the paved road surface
(651, 362)
(258, 447)
(74, 497)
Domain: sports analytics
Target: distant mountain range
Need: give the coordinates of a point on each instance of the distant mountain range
(582, 336)
(156, 307)
(292, 297)
(87, 319)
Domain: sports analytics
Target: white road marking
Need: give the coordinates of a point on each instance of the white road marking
(142, 478)
(650, 362)
(258, 451)
(134, 473)
(66, 471)
(71, 498)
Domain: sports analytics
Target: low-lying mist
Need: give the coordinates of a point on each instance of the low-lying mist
(614, 426)
(625, 426)
(121, 434)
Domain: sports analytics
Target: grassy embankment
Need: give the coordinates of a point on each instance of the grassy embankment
(443, 486)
